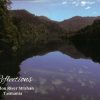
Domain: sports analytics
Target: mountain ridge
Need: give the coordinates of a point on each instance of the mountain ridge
(72, 24)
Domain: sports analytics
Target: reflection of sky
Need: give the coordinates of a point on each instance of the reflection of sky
(56, 61)
(58, 74)
(59, 9)
(55, 71)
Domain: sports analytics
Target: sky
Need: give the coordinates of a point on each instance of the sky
(59, 9)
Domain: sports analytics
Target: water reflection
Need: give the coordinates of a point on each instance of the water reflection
(59, 72)
(59, 76)
(90, 48)
(9, 66)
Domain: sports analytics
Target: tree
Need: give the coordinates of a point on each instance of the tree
(7, 29)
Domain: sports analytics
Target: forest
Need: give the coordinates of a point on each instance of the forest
(20, 31)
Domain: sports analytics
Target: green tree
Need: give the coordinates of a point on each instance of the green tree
(7, 30)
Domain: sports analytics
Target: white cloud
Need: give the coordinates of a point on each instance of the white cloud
(64, 2)
(83, 3)
(35, 1)
(90, 2)
(87, 7)
(86, 4)
(38, 1)
(75, 3)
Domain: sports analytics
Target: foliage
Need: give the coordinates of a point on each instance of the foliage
(20, 30)
(87, 40)
(33, 29)
(89, 34)
(7, 29)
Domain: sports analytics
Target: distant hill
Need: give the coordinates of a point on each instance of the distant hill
(73, 24)
(44, 18)
(24, 30)
(89, 33)
(88, 36)
(76, 23)
(36, 28)
(43, 28)
(69, 25)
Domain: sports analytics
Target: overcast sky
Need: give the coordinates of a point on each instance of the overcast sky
(59, 9)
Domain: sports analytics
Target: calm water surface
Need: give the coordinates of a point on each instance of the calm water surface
(58, 76)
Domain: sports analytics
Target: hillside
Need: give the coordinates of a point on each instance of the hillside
(69, 25)
(87, 40)
(91, 32)
(73, 24)
(76, 23)
(29, 30)
(36, 29)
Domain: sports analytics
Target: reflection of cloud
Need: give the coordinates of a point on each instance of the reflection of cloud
(44, 88)
(42, 81)
(57, 82)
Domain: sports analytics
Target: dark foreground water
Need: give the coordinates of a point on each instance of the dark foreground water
(59, 74)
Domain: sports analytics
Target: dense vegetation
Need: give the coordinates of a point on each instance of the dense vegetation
(22, 30)
(90, 34)
(33, 29)
(8, 31)
(87, 40)
(76, 23)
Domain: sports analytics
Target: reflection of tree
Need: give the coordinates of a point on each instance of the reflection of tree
(91, 50)
(8, 67)
(1, 91)
(88, 41)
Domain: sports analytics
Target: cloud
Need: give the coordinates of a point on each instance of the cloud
(87, 7)
(35, 1)
(75, 3)
(38, 1)
(64, 2)
(83, 3)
